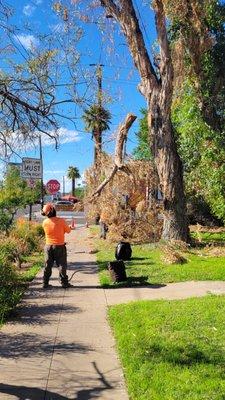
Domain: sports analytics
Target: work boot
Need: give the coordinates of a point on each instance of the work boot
(46, 285)
(66, 285)
(64, 281)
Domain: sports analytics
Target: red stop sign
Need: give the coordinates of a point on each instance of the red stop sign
(53, 186)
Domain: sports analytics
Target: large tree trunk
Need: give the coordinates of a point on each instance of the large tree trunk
(170, 171)
(157, 87)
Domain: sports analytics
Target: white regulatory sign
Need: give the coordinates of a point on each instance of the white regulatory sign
(31, 168)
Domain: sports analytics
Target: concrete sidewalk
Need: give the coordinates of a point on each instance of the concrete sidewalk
(60, 346)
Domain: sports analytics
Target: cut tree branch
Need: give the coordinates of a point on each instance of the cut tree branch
(121, 138)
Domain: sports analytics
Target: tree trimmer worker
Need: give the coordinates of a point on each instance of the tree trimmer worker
(55, 248)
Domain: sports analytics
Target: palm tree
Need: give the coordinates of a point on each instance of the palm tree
(97, 120)
(73, 174)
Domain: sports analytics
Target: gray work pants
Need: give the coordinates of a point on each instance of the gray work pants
(57, 254)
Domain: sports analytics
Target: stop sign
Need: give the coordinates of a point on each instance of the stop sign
(53, 186)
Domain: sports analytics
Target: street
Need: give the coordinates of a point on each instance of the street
(79, 217)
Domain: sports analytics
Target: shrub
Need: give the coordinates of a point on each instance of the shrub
(9, 297)
(30, 233)
(12, 249)
(7, 274)
(39, 230)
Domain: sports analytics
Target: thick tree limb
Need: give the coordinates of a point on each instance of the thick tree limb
(122, 136)
(127, 18)
(165, 66)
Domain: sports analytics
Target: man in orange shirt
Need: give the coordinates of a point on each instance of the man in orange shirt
(55, 248)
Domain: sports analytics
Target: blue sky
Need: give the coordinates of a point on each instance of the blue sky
(120, 82)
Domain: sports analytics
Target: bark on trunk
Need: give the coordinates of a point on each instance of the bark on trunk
(170, 172)
(157, 87)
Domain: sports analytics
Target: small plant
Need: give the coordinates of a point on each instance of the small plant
(30, 233)
(12, 249)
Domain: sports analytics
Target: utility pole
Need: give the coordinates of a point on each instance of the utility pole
(99, 80)
(63, 185)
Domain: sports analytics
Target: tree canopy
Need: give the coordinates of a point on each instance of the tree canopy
(73, 174)
(15, 194)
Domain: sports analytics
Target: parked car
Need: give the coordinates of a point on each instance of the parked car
(64, 205)
(64, 202)
(70, 198)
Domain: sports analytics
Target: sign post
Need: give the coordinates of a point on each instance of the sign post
(53, 186)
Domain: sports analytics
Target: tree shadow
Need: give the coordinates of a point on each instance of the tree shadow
(95, 392)
(28, 344)
(33, 393)
(146, 263)
(29, 393)
(134, 281)
(32, 314)
(187, 355)
(89, 267)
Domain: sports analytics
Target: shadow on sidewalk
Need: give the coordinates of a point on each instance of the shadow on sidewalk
(32, 314)
(27, 345)
(32, 393)
(29, 393)
(95, 392)
(89, 267)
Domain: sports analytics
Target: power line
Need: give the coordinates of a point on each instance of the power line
(142, 23)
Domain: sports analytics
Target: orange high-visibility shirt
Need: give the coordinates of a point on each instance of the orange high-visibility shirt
(55, 229)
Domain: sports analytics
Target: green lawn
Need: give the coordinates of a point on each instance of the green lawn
(209, 236)
(147, 265)
(172, 350)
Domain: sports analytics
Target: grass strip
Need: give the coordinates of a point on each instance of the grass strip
(147, 265)
(172, 350)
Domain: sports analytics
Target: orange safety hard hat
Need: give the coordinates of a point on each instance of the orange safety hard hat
(49, 207)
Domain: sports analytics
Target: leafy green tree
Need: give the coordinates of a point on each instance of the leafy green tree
(15, 194)
(213, 76)
(73, 174)
(201, 148)
(202, 151)
(197, 36)
(142, 151)
(199, 105)
(97, 120)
